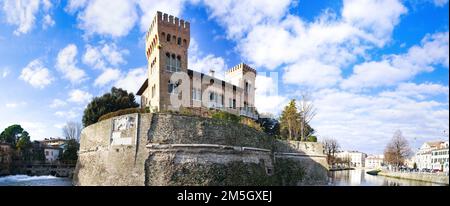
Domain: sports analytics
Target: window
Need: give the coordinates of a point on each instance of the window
(153, 90)
(173, 64)
(168, 38)
(184, 42)
(178, 64)
(211, 96)
(179, 41)
(167, 61)
(174, 38)
(196, 94)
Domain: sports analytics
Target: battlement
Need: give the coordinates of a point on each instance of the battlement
(242, 66)
(168, 19)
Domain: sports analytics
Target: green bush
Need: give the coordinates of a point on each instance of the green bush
(221, 115)
(123, 112)
(112, 101)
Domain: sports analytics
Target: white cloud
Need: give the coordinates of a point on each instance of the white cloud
(107, 76)
(67, 114)
(58, 103)
(22, 13)
(74, 5)
(101, 56)
(239, 16)
(66, 63)
(36, 74)
(440, 3)
(4, 72)
(13, 105)
(418, 91)
(79, 96)
(204, 64)
(378, 17)
(396, 68)
(267, 99)
(149, 8)
(367, 122)
(133, 80)
(267, 39)
(48, 22)
(312, 73)
(104, 17)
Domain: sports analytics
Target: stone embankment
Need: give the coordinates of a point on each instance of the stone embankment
(168, 149)
(434, 178)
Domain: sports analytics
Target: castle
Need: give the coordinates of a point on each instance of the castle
(171, 85)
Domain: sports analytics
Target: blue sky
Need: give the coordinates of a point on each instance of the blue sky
(371, 66)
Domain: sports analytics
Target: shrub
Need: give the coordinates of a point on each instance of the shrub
(221, 115)
(112, 101)
(123, 112)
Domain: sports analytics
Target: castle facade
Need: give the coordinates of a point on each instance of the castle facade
(171, 84)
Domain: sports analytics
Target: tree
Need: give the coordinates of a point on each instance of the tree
(70, 152)
(331, 147)
(72, 130)
(113, 101)
(289, 121)
(311, 139)
(12, 134)
(307, 113)
(397, 150)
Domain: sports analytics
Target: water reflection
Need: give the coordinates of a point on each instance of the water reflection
(359, 177)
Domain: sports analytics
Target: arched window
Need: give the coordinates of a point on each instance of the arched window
(173, 63)
(168, 37)
(167, 61)
(178, 65)
(163, 35)
(179, 41)
(184, 42)
(174, 38)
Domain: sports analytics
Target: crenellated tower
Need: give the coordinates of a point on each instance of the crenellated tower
(166, 46)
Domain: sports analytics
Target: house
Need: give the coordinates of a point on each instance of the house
(52, 148)
(439, 158)
(357, 159)
(374, 161)
(52, 153)
(171, 85)
(422, 158)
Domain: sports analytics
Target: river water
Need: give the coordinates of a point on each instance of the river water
(359, 177)
(336, 178)
(25, 180)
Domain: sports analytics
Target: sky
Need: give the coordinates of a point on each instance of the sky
(371, 66)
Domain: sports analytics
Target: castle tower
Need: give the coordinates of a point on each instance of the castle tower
(244, 77)
(166, 46)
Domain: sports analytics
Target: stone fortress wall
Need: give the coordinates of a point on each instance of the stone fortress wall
(167, 149)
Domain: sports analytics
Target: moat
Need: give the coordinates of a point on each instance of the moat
(336, 178)
(359, 177)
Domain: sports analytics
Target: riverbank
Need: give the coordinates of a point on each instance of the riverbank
(434, 178)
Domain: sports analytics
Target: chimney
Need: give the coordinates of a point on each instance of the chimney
(211, 72)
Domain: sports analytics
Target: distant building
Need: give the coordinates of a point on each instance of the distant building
(357, 159)
(374, 161)
(422, 158)
(53, 148)
(439, 158)
(58, 142)
(52, 154)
